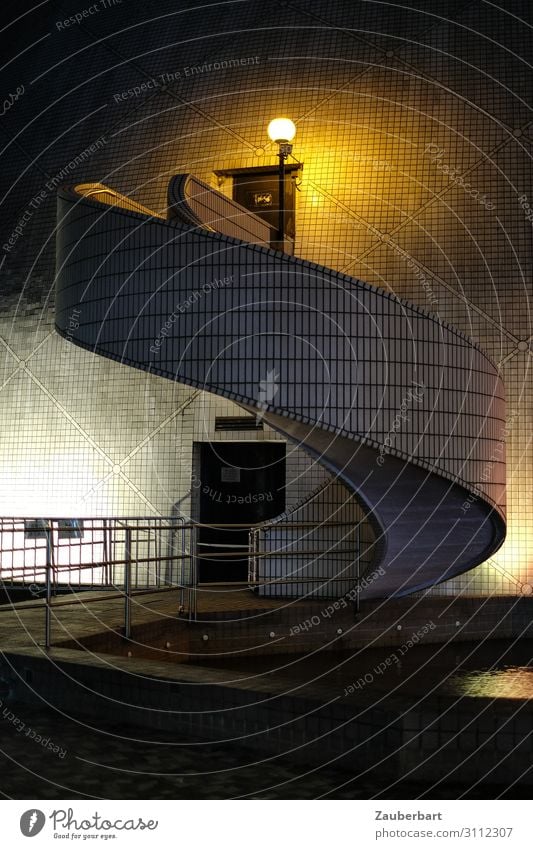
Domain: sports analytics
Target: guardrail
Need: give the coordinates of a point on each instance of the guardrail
(124, 554)
(312, 545)
(89, 552)
(139, 555)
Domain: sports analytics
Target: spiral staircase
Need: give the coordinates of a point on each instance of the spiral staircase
(400, 406)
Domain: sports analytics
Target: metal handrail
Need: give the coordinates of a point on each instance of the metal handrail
(136, 543)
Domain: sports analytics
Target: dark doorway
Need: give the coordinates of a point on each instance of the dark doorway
(257, 189)
(240, 483)
(260, 194)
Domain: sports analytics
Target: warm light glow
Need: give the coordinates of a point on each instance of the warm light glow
(281, 130)
(513, 683)
(69, 484)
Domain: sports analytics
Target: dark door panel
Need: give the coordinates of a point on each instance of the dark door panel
(240, 483)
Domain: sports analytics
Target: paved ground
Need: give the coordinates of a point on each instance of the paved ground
(317, 672)
(44, 754)
(22, 624)
(121, 763)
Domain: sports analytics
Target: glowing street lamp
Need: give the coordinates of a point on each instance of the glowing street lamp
(282, 131)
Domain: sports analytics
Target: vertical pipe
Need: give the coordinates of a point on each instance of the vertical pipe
(281, 201)
(127, 585)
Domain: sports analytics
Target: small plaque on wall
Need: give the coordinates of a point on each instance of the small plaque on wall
(36, 528)
(230, 474)
(260, 199)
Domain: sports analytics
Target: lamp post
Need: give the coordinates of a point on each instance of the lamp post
(282, 131)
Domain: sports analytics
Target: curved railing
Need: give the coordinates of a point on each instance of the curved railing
(403, 407)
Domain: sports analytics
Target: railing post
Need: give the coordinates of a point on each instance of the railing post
(171, 558)
(105, 553)
(127, 584)
(48, 606)
(358, 573)
(253, 544)
(251, 552)
(182, 565)
(194, 574)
